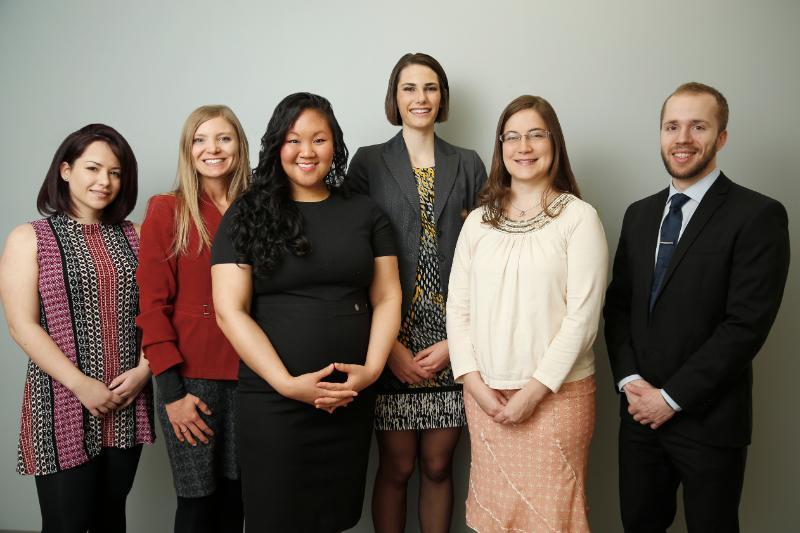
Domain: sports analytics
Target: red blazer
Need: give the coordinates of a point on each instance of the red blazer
(176, 314)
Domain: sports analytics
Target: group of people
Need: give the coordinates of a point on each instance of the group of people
(289, 311)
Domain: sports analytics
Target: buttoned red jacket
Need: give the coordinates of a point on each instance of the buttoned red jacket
(176, 316)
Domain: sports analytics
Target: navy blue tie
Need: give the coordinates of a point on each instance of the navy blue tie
(668, 240)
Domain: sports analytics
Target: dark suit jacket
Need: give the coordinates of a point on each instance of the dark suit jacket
(383, 171)
(718, 301)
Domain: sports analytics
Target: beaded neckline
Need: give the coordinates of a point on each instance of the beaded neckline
(539, 221)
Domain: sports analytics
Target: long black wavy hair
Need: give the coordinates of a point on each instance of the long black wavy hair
(267, 223)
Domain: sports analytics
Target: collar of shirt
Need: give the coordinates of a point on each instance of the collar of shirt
(695, 194)
(697, 190)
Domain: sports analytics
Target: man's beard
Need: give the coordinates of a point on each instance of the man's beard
(694, 170)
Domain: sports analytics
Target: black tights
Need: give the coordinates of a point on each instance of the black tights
(399, 451)
(220, 512)
(90, 497)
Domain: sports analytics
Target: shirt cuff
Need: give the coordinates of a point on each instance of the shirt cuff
(547, 381)
(626, 380)
(669, 400)
(162, 355)
(170, 385)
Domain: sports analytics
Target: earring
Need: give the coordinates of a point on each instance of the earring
(330, 178)
(64, 178)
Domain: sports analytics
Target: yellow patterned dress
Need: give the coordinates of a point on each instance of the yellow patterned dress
(437, 402)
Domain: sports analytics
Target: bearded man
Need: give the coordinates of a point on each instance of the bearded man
(698, 279)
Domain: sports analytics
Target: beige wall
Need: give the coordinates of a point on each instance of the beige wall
(605, 66)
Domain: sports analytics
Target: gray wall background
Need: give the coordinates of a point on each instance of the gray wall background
(605, 66)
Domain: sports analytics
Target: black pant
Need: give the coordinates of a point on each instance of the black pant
(90, 497)
(221, 512)
(652, 463)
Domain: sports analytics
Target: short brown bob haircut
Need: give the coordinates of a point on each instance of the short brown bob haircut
(694, 87)
(497, 189)
(392, 113)
(54, 195)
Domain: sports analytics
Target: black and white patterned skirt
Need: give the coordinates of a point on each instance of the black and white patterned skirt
(441, 407)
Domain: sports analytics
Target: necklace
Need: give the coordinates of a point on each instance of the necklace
(523, 211)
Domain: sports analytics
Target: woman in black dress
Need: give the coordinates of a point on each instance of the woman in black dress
(306, 288)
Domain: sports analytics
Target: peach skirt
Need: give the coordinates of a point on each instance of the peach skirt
(531, 477)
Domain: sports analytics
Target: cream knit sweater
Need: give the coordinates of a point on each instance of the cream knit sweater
(525, 301)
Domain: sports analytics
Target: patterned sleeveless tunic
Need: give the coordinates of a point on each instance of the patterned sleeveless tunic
(88, 301)
(436, 402)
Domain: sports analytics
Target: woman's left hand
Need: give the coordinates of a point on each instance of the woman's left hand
(523, 403)
(435, 357)
(130, 383)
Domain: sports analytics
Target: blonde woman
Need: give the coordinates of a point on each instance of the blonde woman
(194, 365)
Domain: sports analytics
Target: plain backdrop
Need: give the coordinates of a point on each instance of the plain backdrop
(606, 67)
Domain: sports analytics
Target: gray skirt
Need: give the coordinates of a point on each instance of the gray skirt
(196, 469)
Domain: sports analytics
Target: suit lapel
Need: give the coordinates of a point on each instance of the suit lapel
(712, 200)
(445, 178)
(395, 155)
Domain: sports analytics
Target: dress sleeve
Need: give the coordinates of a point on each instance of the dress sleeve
(158, 283)
(222, 250)
(459, 325)
(587, 271)
(382, 235)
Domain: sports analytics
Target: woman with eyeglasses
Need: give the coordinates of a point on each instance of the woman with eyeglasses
(70, 299)
(425, 185)
(526, 293)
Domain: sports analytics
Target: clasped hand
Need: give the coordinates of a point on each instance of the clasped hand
(646, 404)
(311, 388)
(515, 408)
(413, 368)
(101, 399)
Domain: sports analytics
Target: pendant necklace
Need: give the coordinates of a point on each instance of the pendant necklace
(523, 211)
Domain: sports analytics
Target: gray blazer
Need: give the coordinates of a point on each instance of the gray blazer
(384, 173)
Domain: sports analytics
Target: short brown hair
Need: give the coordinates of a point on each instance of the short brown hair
(498, 185)
(694, 87)
(392, 113)
(54, 195)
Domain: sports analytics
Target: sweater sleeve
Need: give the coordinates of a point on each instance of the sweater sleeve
(157, 278)
(462, 355)
(587, 270)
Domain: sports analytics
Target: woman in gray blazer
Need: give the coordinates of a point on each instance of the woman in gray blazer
(426, 186)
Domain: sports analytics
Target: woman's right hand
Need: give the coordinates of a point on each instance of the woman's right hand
(96, 396)
(489, 400)
(187, 422)
(304, 388)
(402, 364)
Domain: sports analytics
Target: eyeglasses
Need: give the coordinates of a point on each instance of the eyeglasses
(534, 136)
